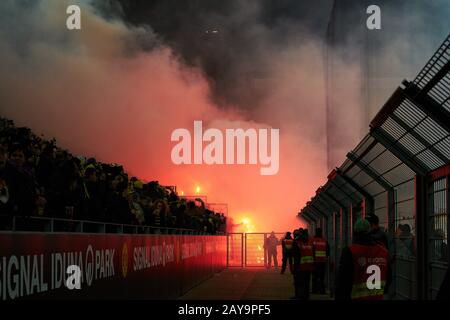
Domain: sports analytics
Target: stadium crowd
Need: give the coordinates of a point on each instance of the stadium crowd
(37, 178)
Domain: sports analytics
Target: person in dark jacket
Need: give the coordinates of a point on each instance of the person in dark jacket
(345, 281)
(94, 201)
(270, 245)
(444, 290)
(16, 189)
(46, 167)
(296, 261)
(303, 255)
(376, 233)
(286, 245)
(321, 254)
(117, 207)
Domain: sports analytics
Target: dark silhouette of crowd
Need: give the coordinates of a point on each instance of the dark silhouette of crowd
(37, 178)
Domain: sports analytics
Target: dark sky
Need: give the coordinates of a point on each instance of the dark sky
(236, 42)
(229, 40)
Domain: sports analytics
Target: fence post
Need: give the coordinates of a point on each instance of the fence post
(421, 214)
(79, 227)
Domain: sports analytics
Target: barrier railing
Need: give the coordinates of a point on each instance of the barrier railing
(49, 224)
(34, 265)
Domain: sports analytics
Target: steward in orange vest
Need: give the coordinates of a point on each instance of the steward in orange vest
(364, 271)
(321, 253)
(303, 254)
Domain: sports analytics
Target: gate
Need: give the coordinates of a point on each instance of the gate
(235, 250)
(254, 250)
(248, 250)
(438, 228)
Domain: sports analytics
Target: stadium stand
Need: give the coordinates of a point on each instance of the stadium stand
(46, 188)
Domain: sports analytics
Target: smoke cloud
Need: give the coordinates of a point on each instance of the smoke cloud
(117, 89)
(100, 95)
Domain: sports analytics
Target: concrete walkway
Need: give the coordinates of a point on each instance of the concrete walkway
(246, 284)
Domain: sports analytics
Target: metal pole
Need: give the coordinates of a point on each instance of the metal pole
(228, 250)
(244, 249)
(421, 214)
(335, 263)
(447, 184)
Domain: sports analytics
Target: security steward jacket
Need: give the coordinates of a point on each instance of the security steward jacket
(350, 281)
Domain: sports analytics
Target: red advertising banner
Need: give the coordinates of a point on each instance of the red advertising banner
(110, 266)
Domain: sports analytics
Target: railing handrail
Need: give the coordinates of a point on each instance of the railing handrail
(440, 53)
(51, 220)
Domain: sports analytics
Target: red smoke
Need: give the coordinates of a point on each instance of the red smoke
(98, 101)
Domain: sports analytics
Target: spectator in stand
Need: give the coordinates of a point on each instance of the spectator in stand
(46, 166)
(19, 161)
(223, 223)
(136, 210)
(159, 212)
(6, 182)
(94, 203)
(71, 191)
(180, 214)
(38, 178)
(16, 189)
(117, 208)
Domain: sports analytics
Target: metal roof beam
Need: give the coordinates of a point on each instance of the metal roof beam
(427, 104)
(317, 210)
(331, 208)
(355, 185)
(349, 196)
(422, 140)
(437, 77)
(399, 151)
(305, 216)
(312, 214)
(326, 205)
(342, 206)
(371, 172)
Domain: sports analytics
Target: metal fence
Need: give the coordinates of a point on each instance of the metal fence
(45, 224)
(235, 250)
(400, 172)
(248, 250)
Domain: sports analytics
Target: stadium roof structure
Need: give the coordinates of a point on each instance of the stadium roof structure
(409, 137)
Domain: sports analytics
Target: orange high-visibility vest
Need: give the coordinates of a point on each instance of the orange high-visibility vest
(320, 249)
(288, 243)
(363, 257)
(306, 256)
